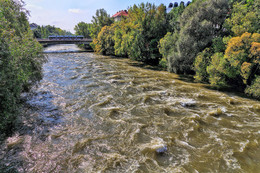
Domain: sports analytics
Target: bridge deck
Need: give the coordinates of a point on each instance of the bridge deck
(64, 41)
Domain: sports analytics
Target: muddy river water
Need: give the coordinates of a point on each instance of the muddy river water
(92, 113)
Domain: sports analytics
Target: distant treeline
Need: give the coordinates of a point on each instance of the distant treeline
(20, 61)
(46, 31)
(217, 41)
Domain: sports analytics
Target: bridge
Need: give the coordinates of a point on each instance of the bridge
(85, 41)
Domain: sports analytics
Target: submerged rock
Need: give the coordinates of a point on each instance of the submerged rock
(218, 112)
(233, 101)
(256, 107)
(156, 145)
(14, 141)
(189, 103)
(161, 150)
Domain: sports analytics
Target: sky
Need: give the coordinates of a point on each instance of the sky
(65, 14)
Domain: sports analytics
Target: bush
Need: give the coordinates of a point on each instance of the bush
(254, 89)
(216, 70)
(104, 44)
(163, 63)
(20, 61)
(167, 46)
(201, 63)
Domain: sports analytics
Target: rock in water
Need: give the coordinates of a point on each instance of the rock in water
(157, 145)
(188, 103)
(161, 150)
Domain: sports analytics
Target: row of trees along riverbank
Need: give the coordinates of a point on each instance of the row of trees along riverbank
(217, 41)
(46, 31)
(20, 61)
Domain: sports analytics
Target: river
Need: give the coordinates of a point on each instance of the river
(92, 113)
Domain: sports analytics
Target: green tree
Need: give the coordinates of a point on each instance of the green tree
(254, 89)
(245, 17)
(83, 28)
(201, 63)
(99, 21)
(121, 37)
(20, 60)
(37, 32)
(173, 18)
(167, 44)
(141, 32)
(200, 22)
(216, 70)
(238, 66)
(46, 31)
(242, 56)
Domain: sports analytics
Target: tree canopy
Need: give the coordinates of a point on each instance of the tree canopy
(46, 31)
(83, 28)
(20, 60)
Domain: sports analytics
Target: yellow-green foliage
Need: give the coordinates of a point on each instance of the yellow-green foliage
(244, 18)
(242, 63)
(163, 63)
(255, 51)
(246, 70)
(104, 44)
(141, 32)
(136, 36)
(166, 44)
(238, 66)
(216, 70)
(100, 20)
(235, 60)
(200, 65)
(20, 60)
(120, 38)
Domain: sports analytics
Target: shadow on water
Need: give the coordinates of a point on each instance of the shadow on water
(39, 103)
(144, 66)
(37, 116)
(187, 78)
(230, 91)
(7, 169)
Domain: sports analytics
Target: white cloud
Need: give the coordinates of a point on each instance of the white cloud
(77, 11)
(35, 7)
